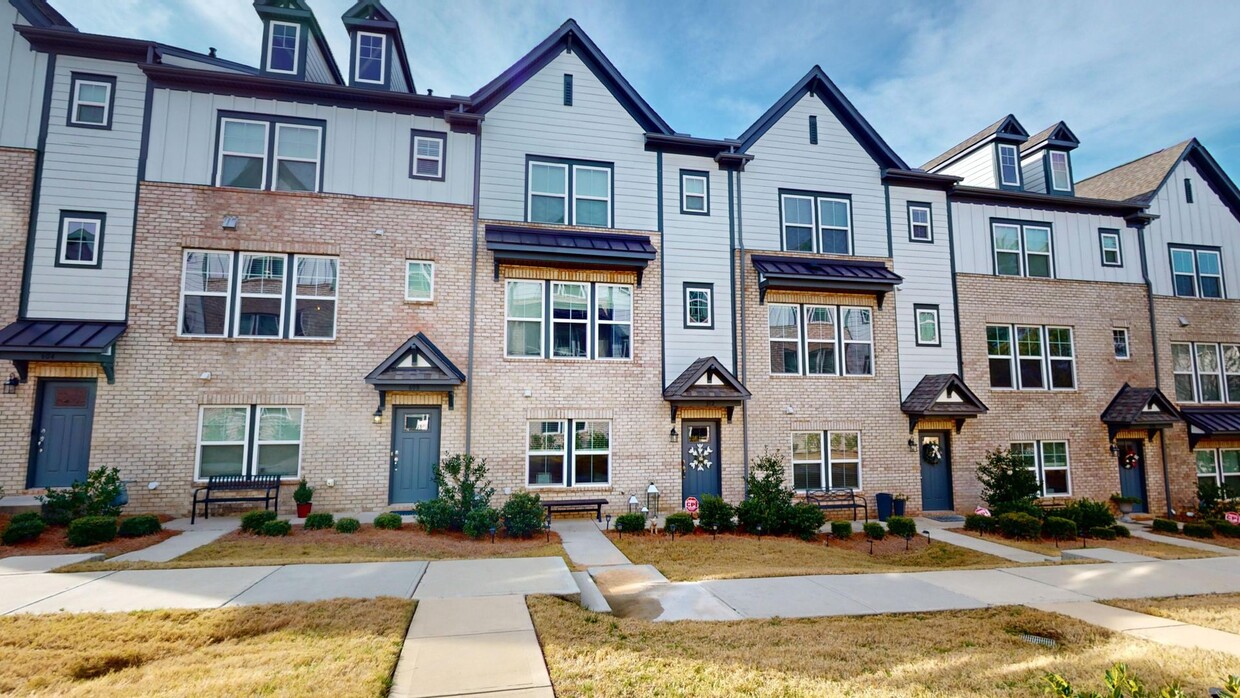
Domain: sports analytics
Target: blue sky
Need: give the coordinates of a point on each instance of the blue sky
(1129, 77)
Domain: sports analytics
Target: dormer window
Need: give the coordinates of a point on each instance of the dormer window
(284, 47)
(371, 59)
(1009, 166)
(1061, 175)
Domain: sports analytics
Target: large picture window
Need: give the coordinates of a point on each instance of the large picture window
(1049, 462)
(1206, 372)
(259, 303)
(838, 466)
(249, 440)
(1197, 272)
(817, 223)
(549, 452)
(569, 193)
(1031, 357)
(260, 152)
(1219, 467)
(829, 347)
(586, 320)
(1022, 249)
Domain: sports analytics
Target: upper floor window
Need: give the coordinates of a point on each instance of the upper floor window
(817, 223)
(569, 193)
(699, 306)
(927, 317)
(1030, 357)
(694, 193)
(1197, 272)
(419, 280)
(92, 98)
(81, 239)
(1049, 462)
(1119, 342)
(1109, 241)
(427, 158)
(228, 446)
(813, 332)
(1061, 174)
(919, 226)
(371, 57)
(1022, 249)
(1206, 372)
(1009, 165)
(247, 159)
(1219, 467)
(586, 321)
(284, 47)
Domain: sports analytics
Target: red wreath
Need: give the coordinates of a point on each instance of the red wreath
(1130, 460)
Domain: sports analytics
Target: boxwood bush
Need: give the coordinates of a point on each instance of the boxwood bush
(714, 514)
(1102, 532)
(874, 530)
(319, 521)
(1225, 529)
(1089, 514)
(348, 525)
(681, 522)
(1018, 524)
(388, 521)
(480, 521)
(842, 529)
(138, 526)
(1166, 526)
(253, 521)
(980, 524)
(1059, 528)
(24, 527)
(277, 528)
(631, 523)
(435, 515)
(804, 520)
(901, 526)
(1121, 531)
(522, 515)
(91, 530)
(1198, 530)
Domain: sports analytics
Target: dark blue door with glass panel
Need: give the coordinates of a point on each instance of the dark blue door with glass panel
(936, 472)
(1132, 472)
(415, 453)
(700, 459)
(60, 447)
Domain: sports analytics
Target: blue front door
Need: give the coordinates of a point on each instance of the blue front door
(61, 441)
(1132, 472)
(936, 472)
(415, 453)
(700, 460)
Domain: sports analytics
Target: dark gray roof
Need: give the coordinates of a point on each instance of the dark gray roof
(611, 243)
(40, 13)
(60, 336)
(1127, 408)
(923, 399)
(1008, 124)
(441, 373)
(1057, 132)
(685, 387)
(1137, 181)
(861, 271)
(371, 15)
(1213, 421)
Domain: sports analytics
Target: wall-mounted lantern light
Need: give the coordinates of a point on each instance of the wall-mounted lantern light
(672, 436)
(912, 445)
(10, 385)
(1114, 449)
(379, 416)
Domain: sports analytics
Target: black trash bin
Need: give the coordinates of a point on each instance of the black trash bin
(899, 507)
(883, 499)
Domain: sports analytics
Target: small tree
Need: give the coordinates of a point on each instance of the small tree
(463, 486)
(769, 501)
(98, 495)
(1007, 483)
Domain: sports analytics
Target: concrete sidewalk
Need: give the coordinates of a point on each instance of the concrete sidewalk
(192, 536)
(938, 531)
(1161, 630)
(586, 544)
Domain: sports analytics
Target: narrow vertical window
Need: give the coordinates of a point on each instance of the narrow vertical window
(813, 130)
(428, 155)
(1209, 369)
(283, 47)
(857, 333)
(999, 354)
(243, 154)
(1061, 175)
(1062, 359)
(1231, 371)
(919, 228)
(1188, 190)
(1182, 369)
(699, 306)
(570, 320)
(798, 223)
(371, 58)
(1030, 356)
(568, 90)
(1009, 166)
(820, 356)
(614, 318)
(81, 239)
(260, 296)
(1112, 256)
(314, 297)
(785, 338)
(927, 321)
(1007, 249)
(419, 280)
(524, 319)
(1119, 341)
(206, 279)
(297, 157)
(807, 470)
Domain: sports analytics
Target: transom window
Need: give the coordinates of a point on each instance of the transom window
(1112, 255)
(549, 452)
(694, 193)
(817, 223)
(838, 466)
(587, 320)
(1061, 174)
(246, 146)
(1119, 341)
(699, 305)
(81, 239)
(1206, 372)
(1030, 357)
(1049, 462)
(812, 333)
(427, 160)
(927, 317)
(551, 189)
(284, 47)
(371, 57)
(1022, 249)
(249, 440)
(419, 280)
(1009, 166)
(91, 105)
(1197, 272)
(919, 226)
(1219, 467)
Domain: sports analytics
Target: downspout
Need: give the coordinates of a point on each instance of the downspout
(740, 238)
(1149, 299)
(473, 292)
(732, 270)
(662, 278)
(951, 254)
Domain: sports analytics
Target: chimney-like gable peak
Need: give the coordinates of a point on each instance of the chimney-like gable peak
(377, 58)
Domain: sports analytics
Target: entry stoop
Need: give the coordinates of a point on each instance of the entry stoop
(591, 598)
(18, 504)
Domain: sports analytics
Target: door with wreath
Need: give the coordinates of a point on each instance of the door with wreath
(699, 453)
(936, 472)
(1131, 455)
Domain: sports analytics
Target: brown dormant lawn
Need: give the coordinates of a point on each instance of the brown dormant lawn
(1139, 546)
(338, 648)
(933, 655)
(729, 556)
(1218, 611)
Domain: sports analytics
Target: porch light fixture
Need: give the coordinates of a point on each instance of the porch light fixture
(633, 503)
(10, 385)
(912, 445)
(230, 223)
(379, 416)
(672, 436)
(652, 498)
(1114, 449)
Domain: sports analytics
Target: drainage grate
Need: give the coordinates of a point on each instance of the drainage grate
(1039, 640)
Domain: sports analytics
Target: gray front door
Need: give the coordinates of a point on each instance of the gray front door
(60, 445)
(415, 453)
(699, 453)
(1132, 472)
(936, 477)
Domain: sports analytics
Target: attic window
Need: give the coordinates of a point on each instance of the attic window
(568, 90)
(283, 47)
(371, 57)
(1188, 190)
(813, 130)
(1061, 178)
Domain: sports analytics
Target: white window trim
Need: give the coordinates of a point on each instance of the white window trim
(1119, 255)
(1191, 372)
(430, 298)
(844, 342)
(1218, 476)
(245, 444)
(64, 242)
(530, 193)
(1067, 171)
(1019, 251)
(822, 459)
(258, 443)
(226, 295)
(938, 339)
(1223, 365)
(586, 452)
(240, 295)
(1039, 466)
(597, 322)
(813, 221)
(1127, 343)
(438, 159)
(1015, 164)
(577, 196)
(542, 319)
(821, 227)
(913, 225)
(78, 101)
(830, 461)
(710, 301)
(772, 340)
(834, 341)
(1221, 375)
(357, 59)
(334, 298)
(1046, 343)
(271, 36)
(219, 165)
(1200, 274)
(590, 315)
(1026, 253)
(1192, 274)
(1010, 357)
(318, 160)
(685, 195)
(565, 424)
(1040, 358)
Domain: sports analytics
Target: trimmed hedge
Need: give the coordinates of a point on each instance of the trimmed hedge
(1228, 530)
(631, 523)
(681, 522)
(1102, 532)
(91, 530)
(435, 515)
(319, 521)
(479, 522)
(842, 529)
(348, 525)
(805, 520)
(714, 514)
(980, 524)
(1198, 530)
(1121, 531)
(523, 516)
(1059, 528)
(874, 530)
(277, 528)
(1089, 514)
(1018, 524)
(253, 521)
(389, 521)
(24, 527)
(901, 526)
(1166, 526)
(138, 526)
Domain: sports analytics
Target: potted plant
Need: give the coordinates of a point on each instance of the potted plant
(303, 496)
(897, 504)
(1125, 504)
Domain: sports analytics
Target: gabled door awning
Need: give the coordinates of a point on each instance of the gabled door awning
(1207, 422)
(706, 383)
(569, 248)
(1139, 408)
(812, 274)
(941, 396)
(79, 341)
(417, 366)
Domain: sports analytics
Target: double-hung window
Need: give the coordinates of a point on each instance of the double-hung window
(1119, 341)
(81, 239)
(694, 193)
(785, 336)
(1061, 173)
(927, 326)
(419, 280)
(1022, 249)
(1219, 467)
(314, 296)
(569, 193)
(570, 320)
(838, 466)
(1049, 462)
(1206, 372)
(427, 159)
(283, 47)
(249, 440)
(820, 340)
(524, 319)
(1197, 272)
(832, 340)
(243, 154)
(247, 295)
(614, 320)
(260, 296)
(699, 306)
(1009, 166)
(1109, 241)
(371, 58)
(586, 321)
(919, 227)
(206, 282)
(549, 452)
(1030, 357)
(269, 153)
(92, 98)
(817, 223)
(297, 157)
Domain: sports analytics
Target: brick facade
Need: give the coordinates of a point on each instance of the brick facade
(16, 187)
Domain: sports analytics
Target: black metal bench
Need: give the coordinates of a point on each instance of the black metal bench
(1052, 504)
(576, 506)
(839, 499)
(269, 485)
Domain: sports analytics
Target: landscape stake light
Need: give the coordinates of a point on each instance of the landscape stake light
(492, 535)
(608, 526)
(652, 498)
(632, 503)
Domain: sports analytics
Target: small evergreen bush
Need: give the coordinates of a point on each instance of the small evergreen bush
(1198, 530)
(24, 527)
(631, 523)
(138, 526)
(522, 515)
(980, 524)
(463, 486)
(1102, 532)
(1227, 530)
(304, 493)
(97, 495)
(874, 530)
(1007, 485)
(901, 526)
(389, 521)
(805, 520)
(1121, 531)
(91, 530)
(716, 514)
(435, 515)
(769, 501)
(348, 525)
(1089, 514)
(319, 521)
(480, 521)
(1019, 525)
(1059, 528)
(277, 528)
(680, 522)
(842, 529)
(1166, 526)
(253, 521)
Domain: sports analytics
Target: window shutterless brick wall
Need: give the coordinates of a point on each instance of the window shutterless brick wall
(16, 185)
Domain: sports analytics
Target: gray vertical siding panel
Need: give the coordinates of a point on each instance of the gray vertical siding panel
(927, 273)
(1206, 221)
(977, 169)
(1034, 173)
(21, 84)
(316, 64)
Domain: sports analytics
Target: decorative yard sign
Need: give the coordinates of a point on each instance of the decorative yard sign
(691, 505)
(1232, 518)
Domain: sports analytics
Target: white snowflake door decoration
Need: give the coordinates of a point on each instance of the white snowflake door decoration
(699, 457)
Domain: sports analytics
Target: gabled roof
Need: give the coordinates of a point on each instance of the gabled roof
(1008, 128)
(817, 82)
(40, 13)
(1141, 180)
(942, 395)
(1057, 134)
(706, 380)
(299, 10)
(1139, 408)
(416, 365)
(371, 15)
(570, 37)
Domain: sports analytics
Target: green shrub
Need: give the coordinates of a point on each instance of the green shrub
(1006, 482)
(304, 493)
(980, 523)
(716, 514)
(348, 525)
(1089, 514)
(1025, 507)
(480, 522)
(1102, 532)
(91, 530)
(435, 515)
(1121, 531)
(874, 530)
(901, 526)
(26, 516)
(253, 521)
(1213, 502)
(277, 528)
(94, 496)
(1166, 526)
(1120, 683)
(463, 486)
(769, 501)
(1198, 530)
(319, 521)
(23, 527)
(805, 520)
(631, 523)
(842, 529)
(138, 526)
(522, 515)
(1227, 530)
(1059, 528)
(680, 522)
(389, 521)
(1019, 525)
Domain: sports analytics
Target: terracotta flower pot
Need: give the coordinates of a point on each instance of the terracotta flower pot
(303, 510)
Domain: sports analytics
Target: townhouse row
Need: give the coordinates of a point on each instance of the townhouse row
(298, 270)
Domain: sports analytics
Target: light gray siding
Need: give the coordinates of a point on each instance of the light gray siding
(186, 62)
(926, 268)
(316, 64)
(1075, 246)
(695, 250)
(1206, 221)
(88, 170)
(367, 152)
(784, 159)
(534, 121)
(977, 168)
(21, 84)
(398, 76)
(1034, 172)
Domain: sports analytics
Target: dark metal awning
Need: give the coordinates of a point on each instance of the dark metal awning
(942, 396)
(1206, 422)
(61, 340)
(812, 274)
(706, 383)
(1139, 408)
(569, 248)
(417, 366)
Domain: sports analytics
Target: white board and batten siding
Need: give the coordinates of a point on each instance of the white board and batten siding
(95, 170)
(367, 152)
(21, 84)
(837, 164)
(695, 250)
(926, 268)
(1207, 221)
(1033, 172)
(1075, 246)
(977, 168)
(533, 121)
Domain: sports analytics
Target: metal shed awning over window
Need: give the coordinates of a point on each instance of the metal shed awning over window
(1139, 408)
(941, 396)
(569, 248)
(706, 383)
(417, 366)
(1206, 422)
(811, 274)
(61, 340)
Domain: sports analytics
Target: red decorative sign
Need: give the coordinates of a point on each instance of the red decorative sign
(1232, 518)
(691, 505)
(982, 511)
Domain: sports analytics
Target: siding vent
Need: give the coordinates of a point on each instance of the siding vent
(568, 90)
(1188, 190)
(813, 130)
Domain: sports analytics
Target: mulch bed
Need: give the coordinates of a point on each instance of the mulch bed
(858, 542)
(54, 541)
